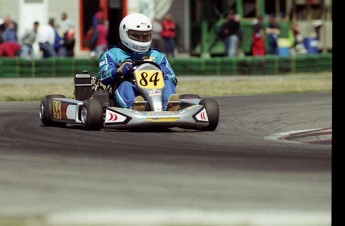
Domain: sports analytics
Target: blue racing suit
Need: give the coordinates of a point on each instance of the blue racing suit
(111, 60)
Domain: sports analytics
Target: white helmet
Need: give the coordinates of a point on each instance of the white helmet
(136, 32)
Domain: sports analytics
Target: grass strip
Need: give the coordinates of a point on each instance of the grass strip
(28, 90)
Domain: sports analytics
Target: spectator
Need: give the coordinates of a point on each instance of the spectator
(231, 33)
(311, 42)
(59, 41)
(64, 24)
(9, 49)
(101, 36)
(98, 16)
(298, 46)
(69, 42)
(64, 36)
(90, 40)
(4, 24)
(168, 34)
(28, 40)
(258, 41)
(9, 33)
(273, 31)
(46, 40)
(156, 37)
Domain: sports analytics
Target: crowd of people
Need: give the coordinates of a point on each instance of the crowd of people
(55, 39)
(264, 40)
(231, 34)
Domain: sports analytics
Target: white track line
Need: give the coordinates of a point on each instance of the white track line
(157, 217)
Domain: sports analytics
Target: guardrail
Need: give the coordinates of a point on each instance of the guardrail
(266, 65)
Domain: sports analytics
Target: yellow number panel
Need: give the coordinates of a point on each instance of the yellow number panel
(149, 79)
(57, 109)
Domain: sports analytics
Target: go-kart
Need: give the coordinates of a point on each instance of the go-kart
(93, 106)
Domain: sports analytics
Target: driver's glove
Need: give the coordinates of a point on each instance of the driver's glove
(126, 68)
(173, 80)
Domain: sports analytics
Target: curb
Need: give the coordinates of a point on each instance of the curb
(311, 136)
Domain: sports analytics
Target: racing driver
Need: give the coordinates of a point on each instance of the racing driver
(135, 32)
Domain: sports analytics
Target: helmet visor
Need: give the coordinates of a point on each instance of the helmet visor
(141, 36)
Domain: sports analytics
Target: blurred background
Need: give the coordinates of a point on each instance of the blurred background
(197, 21)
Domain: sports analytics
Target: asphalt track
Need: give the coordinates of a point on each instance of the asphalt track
(231, 176)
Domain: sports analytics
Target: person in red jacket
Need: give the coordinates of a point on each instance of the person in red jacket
(9, 49)
(258, 40)
(168, 34)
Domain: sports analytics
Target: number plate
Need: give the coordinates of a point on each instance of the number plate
(149, 79)
(57, 109)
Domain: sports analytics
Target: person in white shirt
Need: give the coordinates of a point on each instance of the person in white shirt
(46, 39)
(28, 40)
(64, 25)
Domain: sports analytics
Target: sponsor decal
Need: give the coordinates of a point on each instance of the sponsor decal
(114, 117)
(155, 92)
(160, 113)
(202, 116)
(63, 110)
(57, 109)
(163, 119)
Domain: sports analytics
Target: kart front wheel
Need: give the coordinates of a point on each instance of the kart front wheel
(91, 114)
(212, 110)
(46, 111)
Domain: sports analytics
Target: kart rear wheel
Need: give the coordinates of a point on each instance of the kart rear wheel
(91, 114)
(46, 111)
(212, 110)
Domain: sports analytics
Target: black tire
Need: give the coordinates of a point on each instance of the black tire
(46, 111)
(212, 110)
(189, 96)
(91, 114)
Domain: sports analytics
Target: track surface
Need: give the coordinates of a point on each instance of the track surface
(47, 170)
